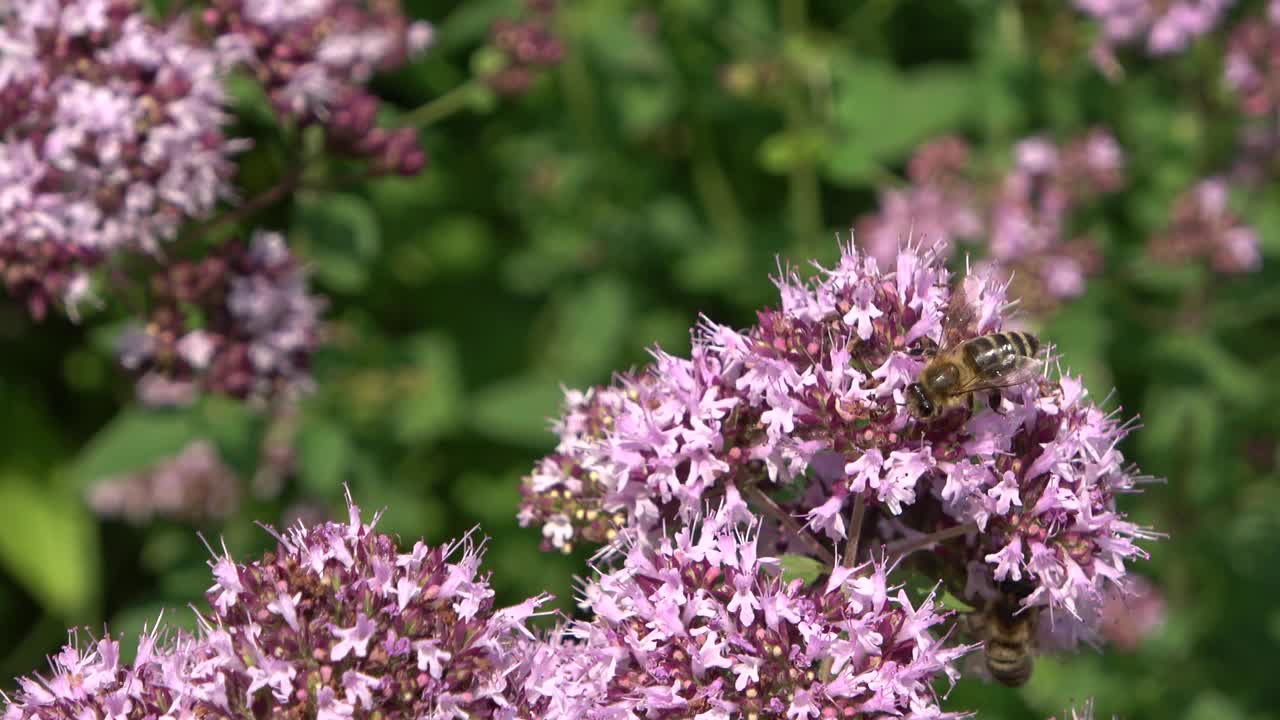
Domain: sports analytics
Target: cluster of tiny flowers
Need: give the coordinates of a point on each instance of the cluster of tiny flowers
(1251, 62)
(260, 326)
(1025, 213)
(940, 205)
(92, 682)
(110, 138)
(314, 57)
(1204, 227)
(699, 625)
(809, 405)
(1162, 26)
(1133, 613)
(336, 623)
(527, 45)
(193, 486)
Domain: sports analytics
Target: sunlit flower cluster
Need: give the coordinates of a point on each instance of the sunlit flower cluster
(314, 57)
(110, 139)
(803, 415)
(335, 623)
(699, 624)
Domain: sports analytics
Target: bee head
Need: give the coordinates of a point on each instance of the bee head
(919, 403)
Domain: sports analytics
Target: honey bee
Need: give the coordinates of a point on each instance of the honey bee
(1008, 634)
(962, 367)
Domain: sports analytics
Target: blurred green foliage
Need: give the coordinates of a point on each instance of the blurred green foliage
(680, 148)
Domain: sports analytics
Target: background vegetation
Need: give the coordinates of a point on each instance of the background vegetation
(679, 148)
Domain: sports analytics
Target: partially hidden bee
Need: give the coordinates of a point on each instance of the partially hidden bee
(960, 368)
(1008, 633)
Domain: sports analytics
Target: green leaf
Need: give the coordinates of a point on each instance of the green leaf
(802, 567)
(324, 455)
(340, 236)
(517, 410)
(431, 403)
(133, 440)
(1224, 372)
(782, 151)
(49, 543)
(1081, 332)
(881, 114)
(951, 602)
(590, 326)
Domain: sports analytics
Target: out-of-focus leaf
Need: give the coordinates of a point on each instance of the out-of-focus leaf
(233, 427)
(802, 567)
(712, 266)
(340, 237)
(134, 439)
(429, 404)
(590, 326)
(784, 150)
(881, 114)
(1223, 371)
(517, 410)
(49, 543)
(324, 455)
(1081, 332)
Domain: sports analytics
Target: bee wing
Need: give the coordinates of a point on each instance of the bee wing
(1023, 370)
(958, 320)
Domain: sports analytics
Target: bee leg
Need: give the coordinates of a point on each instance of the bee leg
(927, 346)
(994, 399)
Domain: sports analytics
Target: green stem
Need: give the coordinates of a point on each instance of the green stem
(716, 193)
(442, 106)
(804, 195)
(771, 508)
(910, 545)
(855, 530)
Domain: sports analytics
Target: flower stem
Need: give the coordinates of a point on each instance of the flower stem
(909, 545)
(441, 107)
(855, 530)
(775, 511)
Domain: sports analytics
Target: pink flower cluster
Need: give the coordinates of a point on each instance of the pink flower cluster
(1025, 214)
(259, 329)
(527, 45)
(1162, 26)
(803, 415)
(1203, 226)
(1251, 62)
(110, 139)
(314, 57)
(701, 625)
(336, 623)
(195, 485)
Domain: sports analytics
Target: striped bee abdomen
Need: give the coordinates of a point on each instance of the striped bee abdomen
(999, 352)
